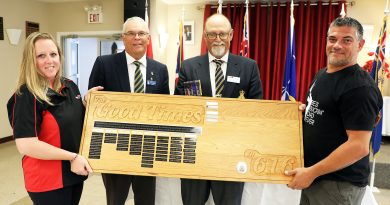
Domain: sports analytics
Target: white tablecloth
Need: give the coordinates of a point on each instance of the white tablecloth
(168, 193)
(386, 116)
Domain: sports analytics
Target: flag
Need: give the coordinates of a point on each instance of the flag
(180, 53)
(149, 50)
(245, 37)
(289, 81)
(377, 73)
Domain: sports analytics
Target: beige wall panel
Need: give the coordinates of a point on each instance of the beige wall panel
(371, 13)
(15, 13)
(70, 17)
(66, 17)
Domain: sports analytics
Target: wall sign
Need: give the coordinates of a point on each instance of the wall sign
(95, 17)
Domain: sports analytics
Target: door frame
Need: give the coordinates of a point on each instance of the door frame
(97, 34)
(61, 36)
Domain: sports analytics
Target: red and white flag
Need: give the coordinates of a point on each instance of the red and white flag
(244, 51)
(149, 51)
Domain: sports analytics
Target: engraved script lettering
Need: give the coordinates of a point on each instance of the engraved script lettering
(100, 99)
(263, 165)
(149, 112)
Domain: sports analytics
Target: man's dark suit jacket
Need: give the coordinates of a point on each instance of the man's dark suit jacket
(197, 68)
(111, 72)
(246, 69)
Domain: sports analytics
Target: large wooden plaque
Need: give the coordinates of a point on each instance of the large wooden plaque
(192, 137)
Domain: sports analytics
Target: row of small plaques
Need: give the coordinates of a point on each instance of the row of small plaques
(179, 151)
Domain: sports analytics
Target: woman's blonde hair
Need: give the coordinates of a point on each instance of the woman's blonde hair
(29, 75)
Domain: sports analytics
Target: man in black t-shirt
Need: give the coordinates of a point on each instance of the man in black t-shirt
(343, 103)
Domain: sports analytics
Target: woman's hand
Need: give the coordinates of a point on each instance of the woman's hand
(80, 166)
(86, 96)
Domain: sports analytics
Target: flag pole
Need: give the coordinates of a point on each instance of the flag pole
(180, 50)
(342, 13)
(247, 18)
(219, 10)
(372, 178)
(292, 20)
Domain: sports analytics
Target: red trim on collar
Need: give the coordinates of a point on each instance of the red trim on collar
(13, 117)
(35, 117)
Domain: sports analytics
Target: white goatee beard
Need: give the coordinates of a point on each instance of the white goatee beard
(218, 50)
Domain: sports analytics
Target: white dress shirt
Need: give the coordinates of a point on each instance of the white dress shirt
(131, 70)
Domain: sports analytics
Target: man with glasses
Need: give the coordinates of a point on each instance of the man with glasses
(221, 74)
(343, 103)
(130, 71)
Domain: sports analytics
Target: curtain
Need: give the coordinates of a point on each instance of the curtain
(268, 33)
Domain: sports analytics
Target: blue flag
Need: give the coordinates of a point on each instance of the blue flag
(377, 73)
(290, 81)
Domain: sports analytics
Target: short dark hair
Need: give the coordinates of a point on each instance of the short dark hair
(350, 22)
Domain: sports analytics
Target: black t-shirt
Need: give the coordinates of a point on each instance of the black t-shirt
(59, 125)
(344, 100)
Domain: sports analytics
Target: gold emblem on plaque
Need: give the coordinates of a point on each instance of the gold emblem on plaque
(242, 93)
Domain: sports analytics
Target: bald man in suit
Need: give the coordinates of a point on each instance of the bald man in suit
(221, 74)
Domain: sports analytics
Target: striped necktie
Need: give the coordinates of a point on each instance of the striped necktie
(138, 80)
(219, 78)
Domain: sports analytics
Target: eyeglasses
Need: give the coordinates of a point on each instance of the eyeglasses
(213, 36)
(134, 34)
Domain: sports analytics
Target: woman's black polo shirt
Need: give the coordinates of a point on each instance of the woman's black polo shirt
(59, 125)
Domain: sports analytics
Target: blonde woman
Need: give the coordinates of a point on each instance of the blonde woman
(46, 114)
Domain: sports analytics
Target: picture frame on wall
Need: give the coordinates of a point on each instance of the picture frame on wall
(1, 29)
(188, 32)
(31, 27)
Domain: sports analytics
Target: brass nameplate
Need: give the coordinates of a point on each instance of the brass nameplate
(192, 137)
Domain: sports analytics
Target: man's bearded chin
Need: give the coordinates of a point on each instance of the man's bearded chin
(337, 62)
(218, 50)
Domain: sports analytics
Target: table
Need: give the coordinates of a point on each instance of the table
(386, 116)
(168, 193)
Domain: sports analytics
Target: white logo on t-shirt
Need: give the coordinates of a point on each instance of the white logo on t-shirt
(312, 108)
